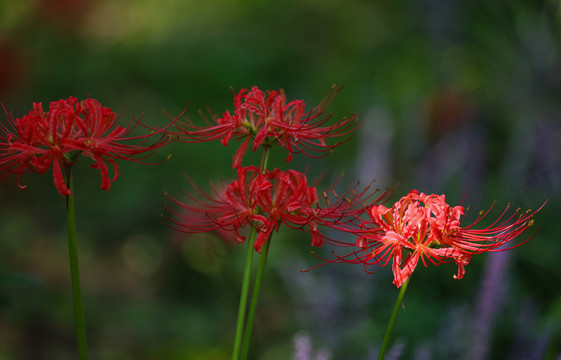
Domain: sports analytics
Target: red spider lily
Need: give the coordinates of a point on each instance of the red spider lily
(264, 200)
(266, 118)
(55, 138)
(424, 227)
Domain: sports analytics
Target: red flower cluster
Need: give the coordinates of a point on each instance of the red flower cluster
(263, 200)
(55, 138)
(266, 118)
(425, 227)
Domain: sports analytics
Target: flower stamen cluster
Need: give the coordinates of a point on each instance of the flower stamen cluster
(425, 228)
(41, 140)
(265, 118)
(260, 199)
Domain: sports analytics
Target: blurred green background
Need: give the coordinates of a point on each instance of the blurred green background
(457, 97)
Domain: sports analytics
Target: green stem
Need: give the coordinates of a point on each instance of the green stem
(244, 294)
(75, 272)
(265, 156)
(389, 329)
(245, 283)
(254, 299)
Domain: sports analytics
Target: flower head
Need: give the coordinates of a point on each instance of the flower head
(264, 200)
(424, 227)
(41, 140)
(265, 118)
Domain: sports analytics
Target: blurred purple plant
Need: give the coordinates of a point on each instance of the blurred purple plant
(303, 349)
(489, 303)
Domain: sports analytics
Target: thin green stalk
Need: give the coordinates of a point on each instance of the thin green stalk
(389, 329)
(254, 299)
(75, 271)
(244, 294)
(245, 283)
(265, 156)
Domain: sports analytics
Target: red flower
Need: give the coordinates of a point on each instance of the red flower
(55, 138)
(264, 200)
(424, 227)
(266, 119)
